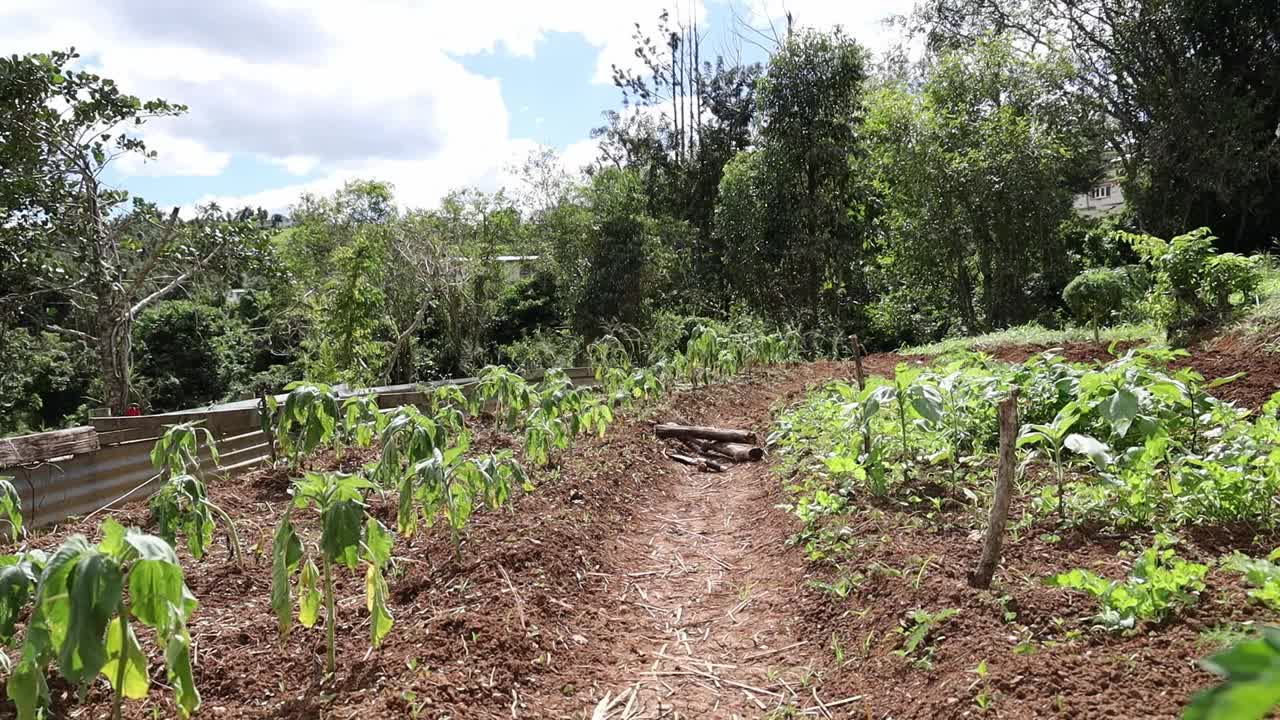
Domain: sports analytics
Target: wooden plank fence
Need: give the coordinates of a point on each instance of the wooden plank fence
(71, 473)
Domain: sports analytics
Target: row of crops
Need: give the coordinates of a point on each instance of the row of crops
(81, 606)
(1132, 447)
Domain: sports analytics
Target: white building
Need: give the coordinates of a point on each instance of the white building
(1105, 197)
(516, 267)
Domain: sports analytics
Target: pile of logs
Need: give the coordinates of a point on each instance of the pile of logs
(711, 449)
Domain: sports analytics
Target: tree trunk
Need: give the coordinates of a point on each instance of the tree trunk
(671, 430)
(991, 547)
(113, 327)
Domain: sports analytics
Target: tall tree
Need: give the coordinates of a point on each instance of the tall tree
(793, 219)
(61, 129)
(1191, 90)
(977, 172)
(691, 116)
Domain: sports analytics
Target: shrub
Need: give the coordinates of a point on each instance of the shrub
(1195, 287)
(1095, 294)
(179, 358)
(525, 308)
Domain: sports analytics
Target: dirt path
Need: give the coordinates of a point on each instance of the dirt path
(708, 596)
(699, 615)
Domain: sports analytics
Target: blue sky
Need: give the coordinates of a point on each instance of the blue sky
(293, 96)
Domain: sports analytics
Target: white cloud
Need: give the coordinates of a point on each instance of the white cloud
(333, 89)
(579, 155)
(862, 19)
(342, 89)
(174, 156)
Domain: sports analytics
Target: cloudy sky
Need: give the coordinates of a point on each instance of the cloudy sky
(288, 96)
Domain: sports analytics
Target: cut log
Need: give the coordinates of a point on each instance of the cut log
(705, 464)
(672, 430)
(738, 452)
(25, 449)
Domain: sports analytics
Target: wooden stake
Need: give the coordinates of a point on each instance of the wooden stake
(991, 546)
(857, 361)
(857, 366)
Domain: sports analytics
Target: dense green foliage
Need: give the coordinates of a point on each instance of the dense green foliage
(1132, 448)
(1095, 295)
(819, 191)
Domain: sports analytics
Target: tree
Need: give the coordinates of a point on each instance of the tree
(63, 128)
(692, 117)
(622, 258)
(793, 217)
(1095, 294)
(977, 170)
(1190, 90)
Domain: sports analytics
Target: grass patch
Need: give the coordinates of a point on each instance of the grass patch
(1033, 334)
(1261, 324)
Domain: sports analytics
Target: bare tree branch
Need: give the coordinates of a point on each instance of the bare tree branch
(84, 337)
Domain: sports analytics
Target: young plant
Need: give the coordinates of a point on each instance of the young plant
(920, 634)
(81, 617)
(1250, 687)
(182, 503)
(308, 420)
(348, 536)
(914, 401)
(1262, 574)
(362, 420)
(1054, 440)
(1159, 582)
(11, 507)
(508, 393)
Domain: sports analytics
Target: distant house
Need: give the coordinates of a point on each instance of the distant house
(1105, 197)
(516, 267)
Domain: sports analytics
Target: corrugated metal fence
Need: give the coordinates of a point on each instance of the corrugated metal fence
(120, 471)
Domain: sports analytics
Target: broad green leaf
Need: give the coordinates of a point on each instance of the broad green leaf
(308, 595)
(11, 507)
(340, 532)
(136, 681)
(380, 618)
(177, 656)
(94, 590)
(378, 541)
(150, 547)
(1219, 382)
(113, 539)
(927, 402)
(156, 594)
(1097, 452)
(48, 626)
(406, 514)
(1119, 410)
(1251, 685)
(17, 582)
(286, 551)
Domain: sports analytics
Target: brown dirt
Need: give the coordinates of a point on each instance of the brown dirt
(628, 586)
(1221, 357)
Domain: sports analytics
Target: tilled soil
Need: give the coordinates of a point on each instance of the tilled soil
(534, 622)
(628, 586)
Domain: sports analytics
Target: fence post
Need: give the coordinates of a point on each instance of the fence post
(991, 546)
